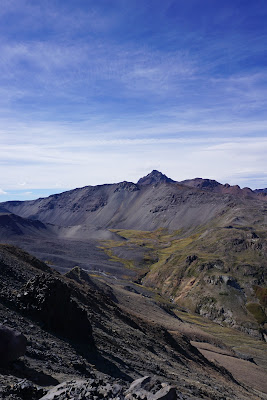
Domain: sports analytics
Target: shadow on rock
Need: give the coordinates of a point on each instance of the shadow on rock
(22, 370)
(12, 345)
(106, 366)
(49, 300)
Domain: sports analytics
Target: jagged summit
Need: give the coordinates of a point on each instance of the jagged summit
(201, 183)
(262, 191)
(154, 177)
(213, 186)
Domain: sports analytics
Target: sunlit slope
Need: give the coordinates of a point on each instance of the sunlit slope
(218, 271)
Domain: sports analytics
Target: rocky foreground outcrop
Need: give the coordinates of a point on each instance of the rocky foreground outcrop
(96, 388)
(140, 389)
(61, 316)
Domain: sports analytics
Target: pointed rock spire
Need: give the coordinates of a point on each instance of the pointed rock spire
(154, 177)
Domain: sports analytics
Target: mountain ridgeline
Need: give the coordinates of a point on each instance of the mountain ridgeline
(199, 243)
(156, 201)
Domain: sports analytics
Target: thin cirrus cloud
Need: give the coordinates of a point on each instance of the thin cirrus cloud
(86, 87)
(75, 165)
(91, 71)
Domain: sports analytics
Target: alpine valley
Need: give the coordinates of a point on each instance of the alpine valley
(161, 281)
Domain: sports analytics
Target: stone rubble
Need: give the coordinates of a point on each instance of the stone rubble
(145, 388)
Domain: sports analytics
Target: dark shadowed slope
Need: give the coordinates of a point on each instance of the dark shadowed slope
(3, 210)
(261, 191)
(12, 225)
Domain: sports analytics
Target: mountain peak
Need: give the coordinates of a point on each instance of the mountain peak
(154, 177)
(201, 183)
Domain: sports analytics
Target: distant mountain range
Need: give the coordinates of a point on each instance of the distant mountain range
(260, 190)
(156, 177)
(155, 201)
(199, 242)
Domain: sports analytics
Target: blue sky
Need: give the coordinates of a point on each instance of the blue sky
(102, 91)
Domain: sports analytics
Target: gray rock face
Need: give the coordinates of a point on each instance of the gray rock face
(25, 390)
(150, 389)
(84, 389)
(145, 388)
(12, 344)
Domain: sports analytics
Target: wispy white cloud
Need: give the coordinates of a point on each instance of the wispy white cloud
(85, 90)
(133, 71)
(93, 162)
(26, 194)
(94, 131)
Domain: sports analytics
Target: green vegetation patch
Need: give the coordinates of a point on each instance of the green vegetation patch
(256, 310)
(261, 294)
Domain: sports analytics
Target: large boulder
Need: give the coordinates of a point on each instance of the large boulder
(151, 389)
(12, 344)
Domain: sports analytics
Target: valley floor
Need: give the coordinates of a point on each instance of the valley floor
(50, 360)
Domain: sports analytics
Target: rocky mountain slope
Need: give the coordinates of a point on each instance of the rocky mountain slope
(144, 206)
(199, 243)
(216, 187)
(78, 329)
(219, 273)
(124, 205)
